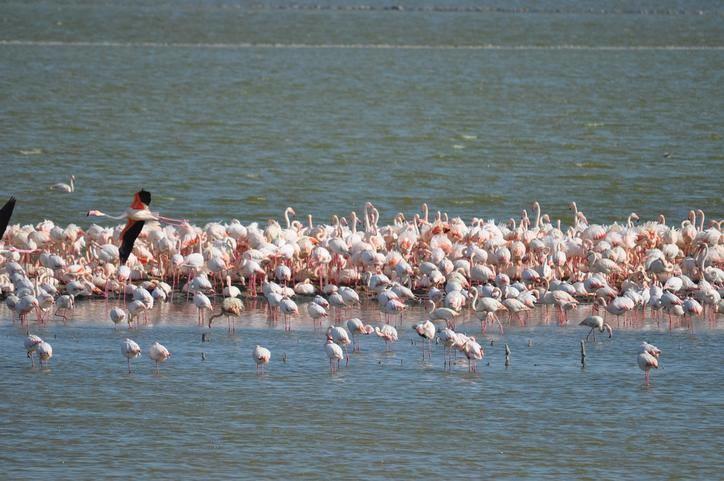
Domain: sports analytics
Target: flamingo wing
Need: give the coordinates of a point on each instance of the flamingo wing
(128, 237)
(5, 214)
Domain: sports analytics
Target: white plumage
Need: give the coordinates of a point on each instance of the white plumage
(158, 353)
(130, 350)
(334, 353)
(261, 357)
(31, 344)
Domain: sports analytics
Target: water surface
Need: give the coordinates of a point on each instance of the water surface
(385, 415)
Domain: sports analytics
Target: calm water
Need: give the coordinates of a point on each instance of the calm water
(387, 415)
(229, 110)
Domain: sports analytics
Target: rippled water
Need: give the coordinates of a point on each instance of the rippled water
(386, 415)
(226, 110)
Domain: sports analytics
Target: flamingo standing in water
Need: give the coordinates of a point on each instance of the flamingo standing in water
(334, 353)
(203, 303)
(357, 327)
(118, 315)
(45, 352)
(474, 352)
(261, 357)
(130, 350)
(316, 312)
(596, 322)
(231, 307)
(340, 337)
(158, 353)
(646, 361)
(388, 334)
(426, 330)
(31, 345)
(288, 308)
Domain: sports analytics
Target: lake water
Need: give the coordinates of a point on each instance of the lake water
(236, 110)
(227, 110)
(387, 415)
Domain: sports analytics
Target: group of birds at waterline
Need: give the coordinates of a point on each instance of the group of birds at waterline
(482, 267)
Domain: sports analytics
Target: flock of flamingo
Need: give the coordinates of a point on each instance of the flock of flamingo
(673, 270)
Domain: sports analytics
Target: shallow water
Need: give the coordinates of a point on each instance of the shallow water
(386, 415)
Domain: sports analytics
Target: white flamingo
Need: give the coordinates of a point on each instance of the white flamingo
(596, 322)
(203, 304)
(334, 353)
(340, 337)
(474, 352)
(647, 361)
(357, 328)
(316, 312)
(45, 352)
(388, 334)
(158, 353)
(261, 357)
(31, 345)
(426, 330)
(118, 315)
(288, 308)
(130, 350)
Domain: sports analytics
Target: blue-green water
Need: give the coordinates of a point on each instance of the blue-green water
(386, 415)
(236, 110)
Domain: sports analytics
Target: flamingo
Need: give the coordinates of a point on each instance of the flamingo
(158, 353)
(441, 313)
(426, 330)
(136, 215)
(449, 339)
(486, 308)
(357, 327)
(340, 337)
(25, 305)
(118, 315)
(316, 312)
(63, 187)
(334, 353)
(337, 301)
(596, 322)
(646, 361)
(231, 307)
(31, 344)
(135, 309)
(261, 356)
(45, 352)
(388, 334)
(130, 350)
(230, 290)
(288, 308)
(651, 349)
(203, 303)
(474, 352)
(12, 302)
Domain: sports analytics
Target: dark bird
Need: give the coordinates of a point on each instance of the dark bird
(5, 213)
(141, 201)
(136, 216)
